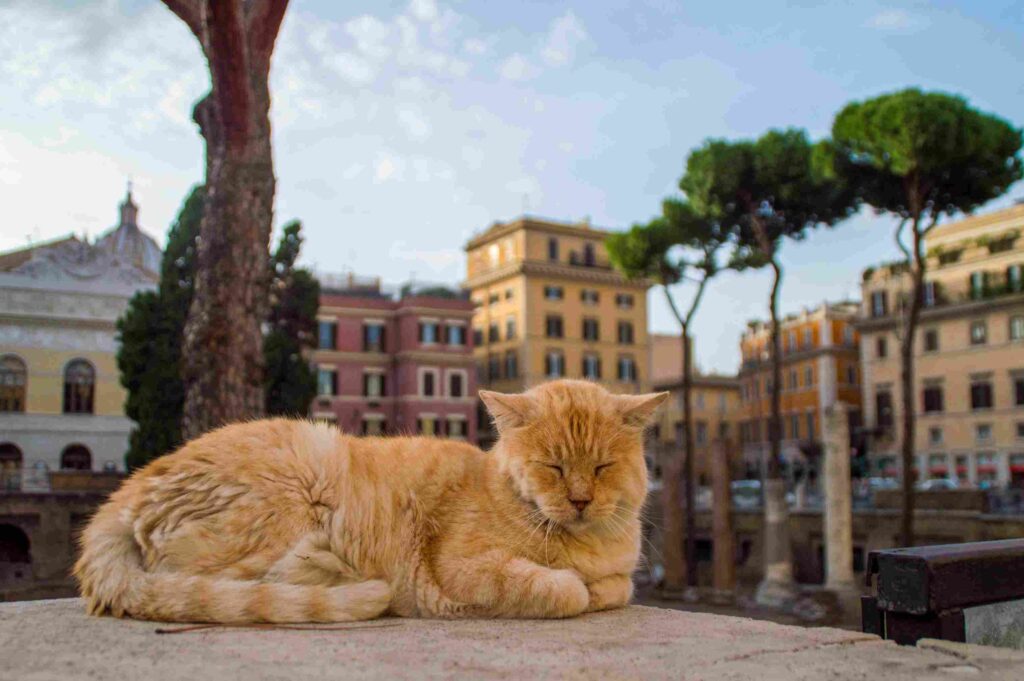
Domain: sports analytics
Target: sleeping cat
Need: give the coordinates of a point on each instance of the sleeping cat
(293, 521)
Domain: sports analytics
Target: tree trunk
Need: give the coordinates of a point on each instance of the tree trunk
(223, 342)
(917, 270)
(689, 455)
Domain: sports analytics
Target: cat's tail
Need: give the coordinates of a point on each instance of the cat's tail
(113, 581)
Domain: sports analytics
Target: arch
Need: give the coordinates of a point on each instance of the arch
(76, 457)
(79, 386)
(13, 383)
(14, 545)
(11, 461)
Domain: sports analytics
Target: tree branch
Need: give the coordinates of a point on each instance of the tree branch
(263, 22)
(932, 224)
(899, 241)
(672, 304)
(696, 300)
(226, 53)
(191, 12)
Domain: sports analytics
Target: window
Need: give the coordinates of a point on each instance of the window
(627, 369)
(883, 409)
(1015, 278)
(981, 394)
(931, 340)
(554, 364)
(1017, 328)
(700, 400)
(851, 374)
(791, 341)
(427, 425)
(590, 329)
(457, 427)
(987, 468)
(553, 326)
(793, 379)
(493, 298)
(808, 376)
(511, 364)
(327, 333)
(808, 338)
(979, 333)
(983, 432)
(1018, 391)
(456, 384)
(929, 294)
(932, 398)
(592, 367)
(588, 255)
(326, 382)
(76, 458)
(794, 426)
(978, 282)
(553, 292)
(373, 425)
(1020, 430)
(373, 337)
(624, 301)
(589, 296)
(430, 332)
(626, 333)
(373, 384)
(79, 387)
(879, 304)
(13, 377)
(881, 347)
(508, 294)
(478, 336)
(935, 436)
(553, 249)
(848, 334)
(702, 432)
(810, 425)
(456, 334)
(493, 333)
(493, 367)
(428, 383)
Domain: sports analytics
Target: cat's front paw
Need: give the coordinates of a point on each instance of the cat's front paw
(610, 592)
(568, 595)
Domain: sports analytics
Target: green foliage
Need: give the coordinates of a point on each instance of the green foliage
(915, 153)
(150, 340)
(290, 382)
(779, 185)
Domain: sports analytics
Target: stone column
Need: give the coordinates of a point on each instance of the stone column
(838, 501)
(723, 579)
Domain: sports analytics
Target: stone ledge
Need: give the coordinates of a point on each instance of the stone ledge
(56, 640)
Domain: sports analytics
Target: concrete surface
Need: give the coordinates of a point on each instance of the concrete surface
(54, 640)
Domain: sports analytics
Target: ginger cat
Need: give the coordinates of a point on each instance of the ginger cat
(292, 521)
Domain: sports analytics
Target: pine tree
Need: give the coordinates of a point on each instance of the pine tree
(150, 338)
(291, 329)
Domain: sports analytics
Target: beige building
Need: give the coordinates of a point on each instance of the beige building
(819, 367)
(548, 304)
(716, 407)
(61, 401)
(969, 354)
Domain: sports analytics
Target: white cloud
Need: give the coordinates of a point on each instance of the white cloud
(474, 46)
(564, 38)
(413, 122)
(371, 36)
(518, 67)
(424, 10)
(898, 20)
(353, 68)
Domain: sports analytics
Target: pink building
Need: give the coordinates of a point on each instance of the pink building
(395, 364)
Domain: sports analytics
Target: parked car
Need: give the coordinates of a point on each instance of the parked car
(937, 485)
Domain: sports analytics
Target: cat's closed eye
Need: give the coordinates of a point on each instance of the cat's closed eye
(554, 467)
(598, 469)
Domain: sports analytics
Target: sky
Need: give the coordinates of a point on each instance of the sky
(403, 128)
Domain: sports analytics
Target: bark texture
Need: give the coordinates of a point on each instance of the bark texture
(223, 341)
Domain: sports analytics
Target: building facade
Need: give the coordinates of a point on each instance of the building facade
(61, 402)
(969, 355)
(395, 364)
(547, 304)
(715, 402)
(820, 366)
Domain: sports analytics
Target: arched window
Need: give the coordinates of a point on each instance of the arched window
(76, 458)
(79, 387)
(12, 383)
(14, 545)
(10, 467)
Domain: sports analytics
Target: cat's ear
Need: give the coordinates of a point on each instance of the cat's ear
(508, 411)
(637, 410)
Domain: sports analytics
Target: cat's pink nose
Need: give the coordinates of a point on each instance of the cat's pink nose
(580, 504)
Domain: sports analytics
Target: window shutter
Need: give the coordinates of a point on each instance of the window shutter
(420, 332)
(334, 382)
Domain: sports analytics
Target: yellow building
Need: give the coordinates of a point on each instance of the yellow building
(716, 408)
(548, 304)
(820, 366)
(61, 402)
(969, 354)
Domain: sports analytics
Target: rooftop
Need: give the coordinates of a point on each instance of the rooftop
(56, 640)
(498, 229)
